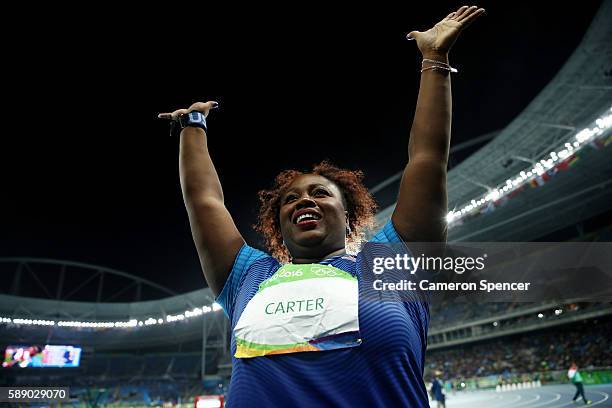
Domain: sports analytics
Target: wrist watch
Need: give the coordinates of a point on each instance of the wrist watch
(192, 119)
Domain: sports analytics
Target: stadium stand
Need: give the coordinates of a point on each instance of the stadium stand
(538, 352)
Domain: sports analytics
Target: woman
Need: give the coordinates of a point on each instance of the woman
(368, 353)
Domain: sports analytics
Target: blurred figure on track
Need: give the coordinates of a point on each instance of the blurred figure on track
(576, 379)
(437, 390)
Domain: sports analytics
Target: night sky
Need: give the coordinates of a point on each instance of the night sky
(89, 174)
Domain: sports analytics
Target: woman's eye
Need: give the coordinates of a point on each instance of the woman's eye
(321, 193)
(289, 199)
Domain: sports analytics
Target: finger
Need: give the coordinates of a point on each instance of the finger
(466, 13)
(179, 112)
(210, 105)
(203, 106)
(412, 35)
(470, 19)
(477, 13)
(460, 12)
(173, 115)
(198, 106)
(449, 16)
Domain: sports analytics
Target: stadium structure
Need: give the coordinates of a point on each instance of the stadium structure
(549, 171)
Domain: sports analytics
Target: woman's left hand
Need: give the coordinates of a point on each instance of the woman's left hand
(438, 40)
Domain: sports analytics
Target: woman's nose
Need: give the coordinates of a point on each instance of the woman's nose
(305, 201)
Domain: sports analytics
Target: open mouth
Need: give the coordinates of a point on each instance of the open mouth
(306, 217)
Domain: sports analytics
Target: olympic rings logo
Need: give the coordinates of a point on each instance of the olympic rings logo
(323, 271)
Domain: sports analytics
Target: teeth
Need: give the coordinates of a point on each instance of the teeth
(307, 216)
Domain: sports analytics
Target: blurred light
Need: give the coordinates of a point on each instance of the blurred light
(209, 402)
(148, 321)
(450, 216)
(495, 324)
(558, 312)
(30, 322)
(540, 315)
(600, 125)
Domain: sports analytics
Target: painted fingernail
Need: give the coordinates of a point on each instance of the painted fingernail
(409, 38)
(215, 105)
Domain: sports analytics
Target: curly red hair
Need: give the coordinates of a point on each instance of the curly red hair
(358, 200)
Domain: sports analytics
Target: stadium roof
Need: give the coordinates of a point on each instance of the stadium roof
(580, 93)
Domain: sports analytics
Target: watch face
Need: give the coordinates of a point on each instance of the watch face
(195, 119)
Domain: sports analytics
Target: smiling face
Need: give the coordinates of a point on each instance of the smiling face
(312, 217)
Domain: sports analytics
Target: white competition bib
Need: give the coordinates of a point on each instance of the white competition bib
(303, 307)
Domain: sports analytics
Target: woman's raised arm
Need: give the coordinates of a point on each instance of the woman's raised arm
(421, 208)
(215, 235)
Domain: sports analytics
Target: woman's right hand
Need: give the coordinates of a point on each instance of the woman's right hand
(203, 107)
